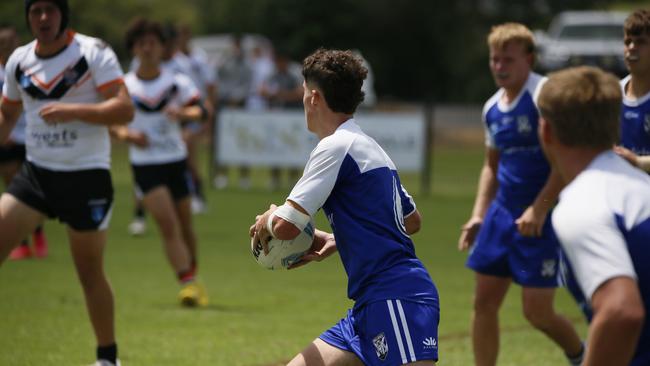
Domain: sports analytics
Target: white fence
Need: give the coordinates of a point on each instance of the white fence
(281, 138)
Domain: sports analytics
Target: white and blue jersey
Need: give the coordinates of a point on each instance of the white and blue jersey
(635, 122)
(512, 129)
(603, 223)
(396, 312)
(350, 176)
(500, 250)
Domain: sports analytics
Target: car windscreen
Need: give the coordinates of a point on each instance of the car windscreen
(610, 32)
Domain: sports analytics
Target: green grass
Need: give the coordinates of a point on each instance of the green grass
(256, 317)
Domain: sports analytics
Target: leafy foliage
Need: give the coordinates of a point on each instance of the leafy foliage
(418, 49)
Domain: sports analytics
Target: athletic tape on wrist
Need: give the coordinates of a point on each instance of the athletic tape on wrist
(289, 213)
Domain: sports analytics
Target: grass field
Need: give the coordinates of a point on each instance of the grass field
(256, 317)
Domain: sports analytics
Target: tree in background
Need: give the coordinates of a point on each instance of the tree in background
(106, 19)
(418, 49)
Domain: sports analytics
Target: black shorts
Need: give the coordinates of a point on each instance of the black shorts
(174, 176)
(15, 152)
(83, 199)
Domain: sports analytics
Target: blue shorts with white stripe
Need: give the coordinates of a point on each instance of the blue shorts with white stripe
(388, 332)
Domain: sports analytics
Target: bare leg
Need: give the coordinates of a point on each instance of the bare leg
(87, 251)
(184, 213)
(17, 220)
(160, 204)
(488, 297)
(192, 164)
(320, 353)
(538, 309)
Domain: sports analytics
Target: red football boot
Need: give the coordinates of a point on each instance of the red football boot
(21, 252)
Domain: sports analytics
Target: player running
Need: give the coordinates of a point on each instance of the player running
(12, 153)
(158, 153)
(70, 88)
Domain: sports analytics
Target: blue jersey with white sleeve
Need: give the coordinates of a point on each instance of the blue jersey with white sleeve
(603, 223)
(635, 122)
(355, 182)
(512, 130)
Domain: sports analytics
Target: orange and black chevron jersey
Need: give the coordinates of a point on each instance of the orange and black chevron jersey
(151, 98)
(75, 75)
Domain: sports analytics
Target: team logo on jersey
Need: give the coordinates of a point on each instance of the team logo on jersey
(523, 125)
(381, 346)
(25, 81)
(549, 268)
(97, 209)
(506, 120)
(430, 343)
(70, 77)
(646, 123)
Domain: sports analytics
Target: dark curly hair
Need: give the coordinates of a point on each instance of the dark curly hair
(140, 27)
(339, 74)
(638, 23)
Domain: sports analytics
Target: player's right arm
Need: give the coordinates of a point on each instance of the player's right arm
(487, 187)
(9, 113)
(270, 224)
(115, 109)
(135, 137)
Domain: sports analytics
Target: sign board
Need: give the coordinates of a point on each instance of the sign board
(281, 138)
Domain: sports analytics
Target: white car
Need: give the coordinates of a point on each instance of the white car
(576, 38)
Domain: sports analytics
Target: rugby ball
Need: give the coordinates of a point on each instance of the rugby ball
(283, 253)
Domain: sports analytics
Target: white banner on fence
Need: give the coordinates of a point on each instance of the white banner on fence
(281, 138)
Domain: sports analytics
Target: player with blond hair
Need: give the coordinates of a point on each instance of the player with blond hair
(603, 217)
(508, 234)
